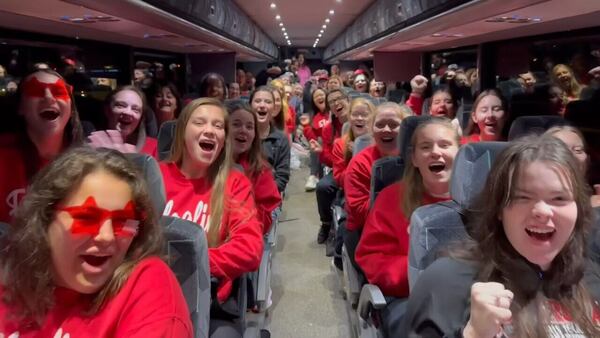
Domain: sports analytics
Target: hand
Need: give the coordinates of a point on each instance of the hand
(596, 196)
(595, 72)
(350, 145)
(304, 120)
(111, 139)
(490, 309)
(315, 146)
(418, 84)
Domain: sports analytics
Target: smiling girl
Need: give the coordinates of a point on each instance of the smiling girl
(202, 187)
(489, 116)
(525, 274)
(82, 257)
(382, 252)
(49, 123)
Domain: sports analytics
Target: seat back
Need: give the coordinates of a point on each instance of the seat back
(434, 227)
(151, 172)
(533, 125)
(386, 171)
(407, 129)
(361, 142)
(165, 139)
(345, 128)
(187, 252)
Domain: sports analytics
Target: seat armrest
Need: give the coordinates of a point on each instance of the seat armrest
(370, 298)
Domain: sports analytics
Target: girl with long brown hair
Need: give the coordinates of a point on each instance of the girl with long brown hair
(48, 124)
(247, 152)
(526, 272)
(202, 187)
(82, 256)
(382, 252)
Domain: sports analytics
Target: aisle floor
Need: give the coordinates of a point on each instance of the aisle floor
(306, 297)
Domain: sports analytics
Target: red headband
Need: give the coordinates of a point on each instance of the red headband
(59, 89)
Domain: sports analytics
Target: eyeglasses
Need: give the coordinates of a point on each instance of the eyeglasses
(332, 102)
(357, 114)
(59, 89)
(88, 219)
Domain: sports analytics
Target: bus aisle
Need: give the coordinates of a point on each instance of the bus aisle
(306, 297)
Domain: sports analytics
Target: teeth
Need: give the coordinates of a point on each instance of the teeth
(540, 231)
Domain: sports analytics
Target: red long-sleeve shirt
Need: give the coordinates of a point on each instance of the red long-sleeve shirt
(314, 130)
(473, 138)
(382, 252)
(149, 304)
(339, 161)
(150, 147)
(415, 103)
(266, 194)
(290, 121)
(241, 234)
(357, 186)
(329, 137)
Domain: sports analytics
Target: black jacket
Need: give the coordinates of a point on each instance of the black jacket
(439, 305)
(276, 148)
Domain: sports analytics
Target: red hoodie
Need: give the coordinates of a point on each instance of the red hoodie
(328, 139)
(241, 233)
(15, 173)
(473, 138)
(415, 103)
(150, 147)
(338, 154)
(149, 304)
(266, 194)
(382, 252)
(314, 130)
(357, 186)
(290, 121)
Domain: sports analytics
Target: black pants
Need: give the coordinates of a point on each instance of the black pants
(391, 317)
(351, 239)
(326, 192)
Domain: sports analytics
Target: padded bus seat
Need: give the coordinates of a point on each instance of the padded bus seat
(165, 139)
(536, 125)
(361, 142)
(434, 227)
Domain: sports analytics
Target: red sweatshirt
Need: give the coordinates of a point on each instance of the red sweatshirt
(357, 186)
(473, 138)
(150, 147)
(328, 139)
(415, 103)
(314, 130)
(339, 161)
(290, 121)
(149, 304)
(241, 233)
(14, 175)
(266, 194)
(382, 252)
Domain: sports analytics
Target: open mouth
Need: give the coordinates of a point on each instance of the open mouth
(262, 113)
(206, 145)
(95, 261)
(49, 114)
(387, 139)
(240, 139)
(437, 167)
(540, 234)
(125, 120)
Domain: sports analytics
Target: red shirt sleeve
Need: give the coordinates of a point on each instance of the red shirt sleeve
(241, 236)
(415, 103)
(357, 189)
(339, 161)
(290, 122)
(382, 252)
(156, 307)
(309, 132)
(150, 147)
(325, 156)
(267, 197)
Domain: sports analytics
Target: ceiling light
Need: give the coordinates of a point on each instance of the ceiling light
(321, 31)
(327, 20)
(324, 26)
(283, 29)
(331, 12)
(338, 1)
(277, 17)
(320, 35)
(281, 24)
(273, 6)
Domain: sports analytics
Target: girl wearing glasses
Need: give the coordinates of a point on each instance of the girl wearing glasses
(82, 256)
